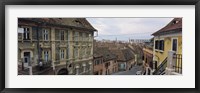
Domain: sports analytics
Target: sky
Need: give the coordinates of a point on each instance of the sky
(127, 28)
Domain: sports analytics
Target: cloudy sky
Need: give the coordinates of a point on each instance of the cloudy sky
(125, 28)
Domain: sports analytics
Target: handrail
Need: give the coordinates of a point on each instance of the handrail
(161, 67)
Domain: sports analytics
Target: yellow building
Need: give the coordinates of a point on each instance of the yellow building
(169, 38)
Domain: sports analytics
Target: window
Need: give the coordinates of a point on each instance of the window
(46, 56)
(97, 62)
(45, 34)
(90, 37)
(100, 62)
(156, 44)
(175, 22)
(76, 36)
(84, 36)
(159, 45)
(62, 54)
(75, 52)
(174, 44)
(25, 60)
(26, 34)
(62, 35)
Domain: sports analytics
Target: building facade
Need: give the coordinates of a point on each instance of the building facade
(65, 44)
(167, 39)
(125, 59)
(98, 65)
(148, 60)
(105, 62)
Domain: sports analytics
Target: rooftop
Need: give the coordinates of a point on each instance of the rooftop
(174, 26)
(105, 52)
(79, 23)
(123, 54)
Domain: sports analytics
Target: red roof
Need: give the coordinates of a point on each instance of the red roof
(174, 26)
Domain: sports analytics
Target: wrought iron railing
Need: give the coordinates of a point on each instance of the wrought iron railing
(161, 68)
(178, 63)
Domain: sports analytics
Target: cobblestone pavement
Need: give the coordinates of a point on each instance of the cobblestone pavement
(130, 72)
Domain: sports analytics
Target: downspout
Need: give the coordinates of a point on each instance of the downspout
(38, 46)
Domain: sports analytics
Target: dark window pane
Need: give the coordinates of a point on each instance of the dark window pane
(28, 36)
(25, 60)
(174, 47)
(161, 45)
(157, 44)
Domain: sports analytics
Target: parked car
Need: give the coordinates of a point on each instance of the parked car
(139, 73)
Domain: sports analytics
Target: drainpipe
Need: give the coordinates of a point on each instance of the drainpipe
(38, 46)
(154, 66)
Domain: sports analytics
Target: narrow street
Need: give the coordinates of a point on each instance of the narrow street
(130, 72)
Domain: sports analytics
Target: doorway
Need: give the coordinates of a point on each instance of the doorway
(27, 59)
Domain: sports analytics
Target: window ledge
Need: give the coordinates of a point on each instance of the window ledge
(159, 50)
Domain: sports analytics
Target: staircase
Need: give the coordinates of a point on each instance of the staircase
(161, 68)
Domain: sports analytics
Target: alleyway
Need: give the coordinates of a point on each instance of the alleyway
(130, 72)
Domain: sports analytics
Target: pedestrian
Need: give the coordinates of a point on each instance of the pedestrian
(41, 65)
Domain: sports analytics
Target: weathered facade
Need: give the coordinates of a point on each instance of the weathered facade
(98, 65)
(65, 44)
(125, 58)
(105, 62)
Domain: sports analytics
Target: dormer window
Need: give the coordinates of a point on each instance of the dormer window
(175, 22)
(78, 23)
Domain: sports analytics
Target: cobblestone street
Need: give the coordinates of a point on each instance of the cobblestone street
(130, 72)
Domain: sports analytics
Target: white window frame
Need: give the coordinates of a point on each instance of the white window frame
(26, 33)
(46, 34)
(46, 56)
(62, 54)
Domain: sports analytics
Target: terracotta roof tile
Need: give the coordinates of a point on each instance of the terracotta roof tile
(105, 52)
